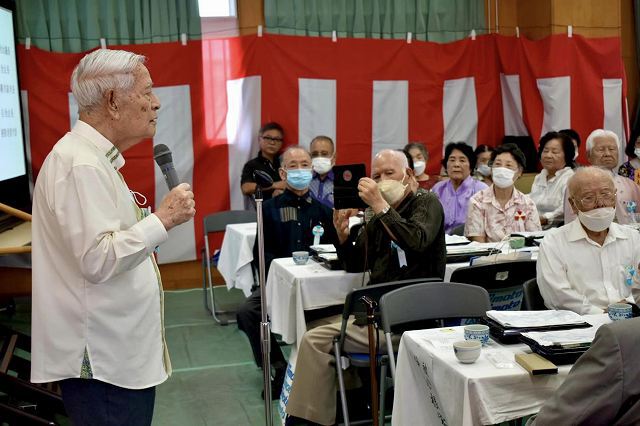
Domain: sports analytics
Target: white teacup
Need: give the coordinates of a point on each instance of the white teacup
(478, 332)
(619, 311)
(300, 257)
(467, 351)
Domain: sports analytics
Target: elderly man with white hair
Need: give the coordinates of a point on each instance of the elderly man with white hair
(97, 324)
(603, 151)
(403, 239)
(590, 262)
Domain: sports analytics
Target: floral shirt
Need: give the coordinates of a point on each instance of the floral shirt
(629, 171)
(486, 217)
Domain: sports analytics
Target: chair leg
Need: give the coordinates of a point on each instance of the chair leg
(204, 282)
(343, 395)
(213, 310)
(383, 387)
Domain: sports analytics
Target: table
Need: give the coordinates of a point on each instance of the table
(292, 289)
(504, 248)
(431, 384)
(236, 255)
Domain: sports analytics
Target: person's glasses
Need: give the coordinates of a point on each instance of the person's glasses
(590, 201)
(271, 139)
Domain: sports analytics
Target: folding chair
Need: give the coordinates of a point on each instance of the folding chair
(217, 222)
(417, 303)
(503, 280)
(352, 306)
(532, 300)
(23, 402)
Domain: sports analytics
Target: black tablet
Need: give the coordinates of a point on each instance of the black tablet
(345, 186)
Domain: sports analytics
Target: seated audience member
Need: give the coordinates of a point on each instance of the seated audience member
(556, 153)
(501, 209)
(590, 262)
(270, 139)
(288, 222)
(603, 387)
(454, 194)
(420, 157)
(575, 139)
(602, 151)
(483, 168)
(405, 239)
(323, 157)
(631, 169)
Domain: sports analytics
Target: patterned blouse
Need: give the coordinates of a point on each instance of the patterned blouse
(629, 171)
(487, 218)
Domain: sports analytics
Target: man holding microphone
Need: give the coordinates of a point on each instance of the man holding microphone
(98, 317)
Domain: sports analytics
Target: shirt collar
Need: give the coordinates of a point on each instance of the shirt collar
(329, 176)
(103, 144)
(544, 173)
(291, 199)
(577, 232)
(276, 160)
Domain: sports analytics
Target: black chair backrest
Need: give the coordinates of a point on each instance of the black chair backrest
(532, 300)
(503, 280)
(420, 302)
(352, 304)
(217, 222)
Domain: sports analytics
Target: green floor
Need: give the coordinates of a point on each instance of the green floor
(215, 380)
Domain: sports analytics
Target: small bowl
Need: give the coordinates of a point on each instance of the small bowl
(467, 351)
(478, 332)
(619, 311)
(300, 257)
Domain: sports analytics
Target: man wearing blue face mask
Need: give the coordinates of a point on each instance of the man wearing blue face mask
(289, 219)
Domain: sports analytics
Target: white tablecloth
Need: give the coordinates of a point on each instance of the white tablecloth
(236, 255)
(431, 384)
(504, 248)
(292, 289)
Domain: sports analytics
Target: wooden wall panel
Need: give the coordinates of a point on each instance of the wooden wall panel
(250, 15)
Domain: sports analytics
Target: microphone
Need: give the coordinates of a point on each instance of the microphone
(162, 155)
(263, 180)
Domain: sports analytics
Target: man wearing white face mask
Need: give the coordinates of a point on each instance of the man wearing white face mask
(404, 239)
(289, 219)
(590, 262)
(323, 157)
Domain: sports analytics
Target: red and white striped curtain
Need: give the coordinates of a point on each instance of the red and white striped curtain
(365, 94)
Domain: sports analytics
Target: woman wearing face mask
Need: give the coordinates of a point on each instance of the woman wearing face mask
(454, 194)
(555, 152)
(420, 157)
(483, 170)
(501, 209)
(631, 168)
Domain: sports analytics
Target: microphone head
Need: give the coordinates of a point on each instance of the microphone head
(162, 154)
(263, 180)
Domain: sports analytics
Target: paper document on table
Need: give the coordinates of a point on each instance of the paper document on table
(323, 248)
(441, 338)
(455, 239)
(328, 256)
(524, 319)
(565, 339)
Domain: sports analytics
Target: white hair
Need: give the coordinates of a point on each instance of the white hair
(588, 174)
(100, 71)
(601, 133)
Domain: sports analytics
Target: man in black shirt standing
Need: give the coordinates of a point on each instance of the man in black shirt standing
(289, 220)
(270, 138)
(403, 239)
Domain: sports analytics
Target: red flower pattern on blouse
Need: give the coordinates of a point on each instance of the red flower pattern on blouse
(520, 216)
